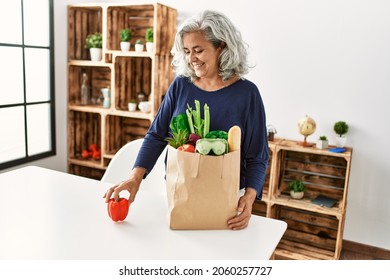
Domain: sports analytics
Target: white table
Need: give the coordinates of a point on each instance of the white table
(46, 214)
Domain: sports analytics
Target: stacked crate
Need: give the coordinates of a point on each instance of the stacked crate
(125, 73)
(314, 231)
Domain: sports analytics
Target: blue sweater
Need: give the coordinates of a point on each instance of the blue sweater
(238, 104)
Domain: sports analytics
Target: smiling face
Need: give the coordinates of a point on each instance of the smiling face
(201, 55)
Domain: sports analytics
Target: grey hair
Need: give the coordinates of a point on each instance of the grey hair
(217, 28)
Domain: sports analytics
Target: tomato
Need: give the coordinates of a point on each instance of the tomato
(96, 154)
(93, 147)
(187, 148)
(117, 210)
(85, 154)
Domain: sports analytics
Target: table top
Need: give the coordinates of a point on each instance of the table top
(46, 214)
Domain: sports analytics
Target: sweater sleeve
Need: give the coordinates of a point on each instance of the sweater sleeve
(255, 146)
(155, 139)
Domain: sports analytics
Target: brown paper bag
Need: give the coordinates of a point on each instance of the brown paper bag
(202, 190)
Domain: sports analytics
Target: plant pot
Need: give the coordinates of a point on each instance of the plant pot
(125, 46)
(322, 144)
(96, 54)
(297, 195)
(132, 106)
(149, 46)
(145, 106)
(139, 48)
(340, 141)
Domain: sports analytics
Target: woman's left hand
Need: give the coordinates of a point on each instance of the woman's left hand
(244, 210)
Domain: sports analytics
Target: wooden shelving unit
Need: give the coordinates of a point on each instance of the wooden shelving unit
(125, 73)
(314, 231)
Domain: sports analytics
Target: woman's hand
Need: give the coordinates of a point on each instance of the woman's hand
(131, 185)
(244, 210)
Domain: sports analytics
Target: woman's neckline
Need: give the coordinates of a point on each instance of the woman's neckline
(230, 82)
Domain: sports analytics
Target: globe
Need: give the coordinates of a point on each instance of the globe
(306, 127)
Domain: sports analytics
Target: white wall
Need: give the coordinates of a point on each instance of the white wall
(329, 59)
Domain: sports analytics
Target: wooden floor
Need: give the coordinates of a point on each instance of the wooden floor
(356, 251)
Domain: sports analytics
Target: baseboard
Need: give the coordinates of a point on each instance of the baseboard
(354, 250)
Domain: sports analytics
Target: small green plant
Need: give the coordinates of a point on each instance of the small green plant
(149, 35)
(323, 138)
(126, 34)
(133, 101)
(138, 42)
(94, 40)
(340, 128)
(296, 186)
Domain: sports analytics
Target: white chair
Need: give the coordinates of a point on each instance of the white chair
(121, 164)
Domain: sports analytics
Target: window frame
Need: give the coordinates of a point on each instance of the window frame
(51, 102)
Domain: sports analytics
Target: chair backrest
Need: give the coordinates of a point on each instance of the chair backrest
(121, 164)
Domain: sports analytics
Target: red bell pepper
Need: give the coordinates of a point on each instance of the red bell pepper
(117, 210)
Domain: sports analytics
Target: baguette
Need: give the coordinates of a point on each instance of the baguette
(234, 138)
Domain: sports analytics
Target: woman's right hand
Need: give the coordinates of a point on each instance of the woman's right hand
(131, 185)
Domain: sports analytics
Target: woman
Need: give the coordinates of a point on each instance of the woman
(210, 61)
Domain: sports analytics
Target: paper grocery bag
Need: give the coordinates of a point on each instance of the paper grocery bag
(202, 190)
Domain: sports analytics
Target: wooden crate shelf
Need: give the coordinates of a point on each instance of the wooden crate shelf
(260, 208)
(138, 18)
(85, 171)
(121, 130)
(314, 231)
(98, 77)
(83, 20)
(268, 176)
(310, 234)
(124, 73)
(83, 129)
(133, 75)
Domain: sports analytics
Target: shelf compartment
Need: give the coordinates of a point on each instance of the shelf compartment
(133, 75)
(121, 130)
(135, 17)
(322, 174)
(309, 235)
(98, 78)
(85, 171)
(270, 171)
(138, 18)
(163, 78)
(82, 21)
(259, 208)
(83, 129)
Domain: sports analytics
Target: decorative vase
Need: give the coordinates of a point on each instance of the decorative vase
(340, 141)
(125, 46)
(297, 195)
(149, 46)
(96, 54)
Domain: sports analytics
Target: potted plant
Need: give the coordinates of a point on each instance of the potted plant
(132, 105)
(341, 128)
(139, 46)
(149, 39)
(125, 34)
(297, 189)
(94, 44)
(322, 142)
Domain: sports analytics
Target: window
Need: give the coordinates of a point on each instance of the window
(27, 124)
